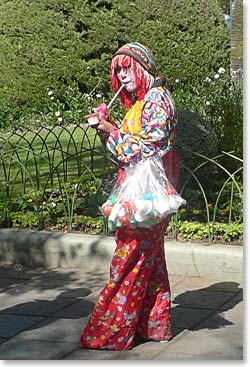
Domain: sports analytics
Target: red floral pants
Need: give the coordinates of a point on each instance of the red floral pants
(136, 301)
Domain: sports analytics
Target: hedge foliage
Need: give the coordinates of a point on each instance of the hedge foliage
(52, 44)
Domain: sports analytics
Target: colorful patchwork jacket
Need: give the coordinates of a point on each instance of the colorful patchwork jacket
(148, 127)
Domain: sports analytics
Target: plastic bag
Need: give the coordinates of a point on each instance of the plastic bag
(144, 198)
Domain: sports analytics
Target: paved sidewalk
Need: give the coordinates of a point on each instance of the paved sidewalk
(42, 313)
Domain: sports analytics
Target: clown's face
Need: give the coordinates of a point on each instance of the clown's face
(126, 76)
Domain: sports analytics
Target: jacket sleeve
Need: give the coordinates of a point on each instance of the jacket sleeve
(156, 121)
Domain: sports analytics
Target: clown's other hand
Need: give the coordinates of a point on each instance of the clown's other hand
(105, 125)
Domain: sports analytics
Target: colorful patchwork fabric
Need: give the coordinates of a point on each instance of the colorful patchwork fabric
(147, 128)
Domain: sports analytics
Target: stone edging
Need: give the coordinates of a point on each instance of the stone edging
(71, 250)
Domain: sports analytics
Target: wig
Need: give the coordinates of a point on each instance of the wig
(144, 80)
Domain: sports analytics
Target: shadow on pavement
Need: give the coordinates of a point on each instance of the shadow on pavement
(191, 310)
(203, 308)
(17, 279)
(195, 307)
(47, 307)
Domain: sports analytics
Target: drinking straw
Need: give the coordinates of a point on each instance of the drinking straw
(115, 96)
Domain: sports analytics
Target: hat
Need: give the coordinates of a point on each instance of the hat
(140, 53)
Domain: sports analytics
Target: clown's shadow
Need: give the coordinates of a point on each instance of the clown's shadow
(203, 308)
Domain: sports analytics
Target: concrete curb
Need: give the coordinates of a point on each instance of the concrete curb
(71, 250)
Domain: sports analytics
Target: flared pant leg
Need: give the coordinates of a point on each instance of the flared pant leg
(124, 303)
(155, 316)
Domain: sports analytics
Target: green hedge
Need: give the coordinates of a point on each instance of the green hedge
(51, 44)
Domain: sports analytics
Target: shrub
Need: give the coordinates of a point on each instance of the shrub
(194, 134)
(225, 113)
(201, 231)
(56, 44)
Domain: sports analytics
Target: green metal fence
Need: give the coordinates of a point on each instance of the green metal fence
(38, 159)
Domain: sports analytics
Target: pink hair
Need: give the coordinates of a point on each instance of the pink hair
(143, 79)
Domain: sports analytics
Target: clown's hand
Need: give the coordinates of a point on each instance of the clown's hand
(105, 126)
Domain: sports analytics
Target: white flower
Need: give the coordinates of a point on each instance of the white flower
(50, 93)
(98, 95)
(177, 81)
(88, 67)
(208, 80)
(59, 119)
(207, 103)
(221, 71)
(52, 98)
(57, 113)
(216, 76)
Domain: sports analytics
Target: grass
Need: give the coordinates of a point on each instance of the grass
(39, 159)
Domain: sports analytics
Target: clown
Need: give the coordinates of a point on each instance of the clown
(148, 128)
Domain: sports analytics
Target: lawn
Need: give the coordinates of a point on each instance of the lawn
(38, 159)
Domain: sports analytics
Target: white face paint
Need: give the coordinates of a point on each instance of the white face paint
(126, 76)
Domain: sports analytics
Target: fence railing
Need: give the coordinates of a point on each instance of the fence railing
(70, 154)
(41, 158)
